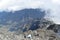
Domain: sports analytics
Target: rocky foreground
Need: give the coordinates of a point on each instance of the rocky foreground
(39, 34)
(39, 30)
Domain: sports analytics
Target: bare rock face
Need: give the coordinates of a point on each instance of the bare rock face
(39, 34)
(45, 31)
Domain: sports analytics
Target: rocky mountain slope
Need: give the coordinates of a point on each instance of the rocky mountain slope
(27, 24)
(39, 34)
(43, 32)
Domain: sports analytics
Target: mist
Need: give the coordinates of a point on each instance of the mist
(52, 7)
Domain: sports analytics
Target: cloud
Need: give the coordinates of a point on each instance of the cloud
(21, 4)
(18, 4)
(52, 5)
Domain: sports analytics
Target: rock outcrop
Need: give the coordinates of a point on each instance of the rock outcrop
(39, 34)
(36, 30)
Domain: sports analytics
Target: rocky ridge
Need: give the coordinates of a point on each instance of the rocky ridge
(39, 34)
(43, 30)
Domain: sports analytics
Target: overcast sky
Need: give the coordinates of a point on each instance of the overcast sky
(15, 5)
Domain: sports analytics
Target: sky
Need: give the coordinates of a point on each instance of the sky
(51, 6)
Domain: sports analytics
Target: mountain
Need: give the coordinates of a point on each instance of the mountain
(25, 20)
(16, 20)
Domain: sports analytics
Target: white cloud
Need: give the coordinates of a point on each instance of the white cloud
(52, 5)
(56, 1)
(21, 4)
(18, 4)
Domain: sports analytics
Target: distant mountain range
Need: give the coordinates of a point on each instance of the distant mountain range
(20, 18)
